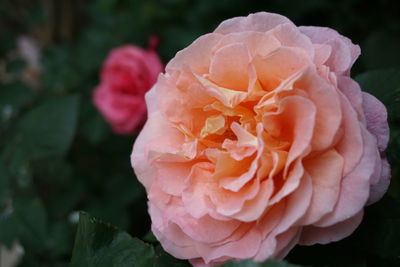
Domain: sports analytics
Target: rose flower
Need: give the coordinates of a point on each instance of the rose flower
(257, 140)
(128, 73)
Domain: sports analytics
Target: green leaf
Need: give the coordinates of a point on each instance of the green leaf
(59, 72)
(149, 237)
(163, 259)
(96, 129)
(5, 185)
(48, 129)
(92, 124)
(45, 131)
(32, 222)
(60, 239)
(99, 244)
(268, 263)
(12, 97)
(9, 229)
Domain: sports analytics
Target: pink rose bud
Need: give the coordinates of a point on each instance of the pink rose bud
(257, 139)
(127, 74)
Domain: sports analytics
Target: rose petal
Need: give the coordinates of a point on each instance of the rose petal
(326, 174)
(376, 116)
(352, 91)
(323, 235)
(378, 189)
(196, 55)
(246, 247)
(328, 113)
(354, 191)
(289, 35)
(230, 66)
(344, 52)
(279, 65)
(257, 43)
(259, 22)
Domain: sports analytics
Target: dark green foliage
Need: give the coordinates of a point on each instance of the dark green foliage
(99, 244)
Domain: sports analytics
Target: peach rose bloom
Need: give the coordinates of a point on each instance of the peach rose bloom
(257, 140)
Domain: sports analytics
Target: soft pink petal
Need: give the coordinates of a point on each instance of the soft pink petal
(322, 53)
(294, 120)
(243, 248)
(230, 66)
(231, 174)
(289, 35)
(238, 151)
(295, 207)
(228, 97)
(280, 65)
(206, 229)
(323, 235)
(292, 181)
(202, 194)
(286, 242)
(171, 176)
(267, 224)
(328, 114)
(237, 200)
(166, 232)
(171, 147)
(252, 209)
(351, 144)
(376, 116)
(197, 187)
(257, 43)
(344, 52)
(378, 189)
(155, 127)
(326, 174)
(352, 91)
(354, 191)
(199, 262)
(197, 55)
(259, 22)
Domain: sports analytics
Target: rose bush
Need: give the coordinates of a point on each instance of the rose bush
(257, 140)
(128, 73)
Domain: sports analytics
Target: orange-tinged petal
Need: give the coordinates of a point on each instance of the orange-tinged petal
(328, 114)
(280, 65)
(228, 97)
(326, 175)
(230, 66)
(214, 125)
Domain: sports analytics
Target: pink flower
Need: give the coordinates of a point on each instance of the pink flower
(258, 140)
(127, 74)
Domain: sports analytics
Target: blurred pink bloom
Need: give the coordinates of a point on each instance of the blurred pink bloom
(127, 74)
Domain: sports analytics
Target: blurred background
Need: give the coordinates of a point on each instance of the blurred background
(58, 156)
